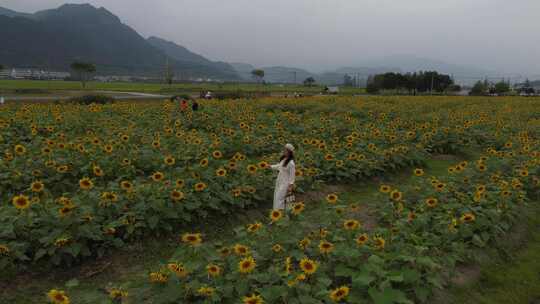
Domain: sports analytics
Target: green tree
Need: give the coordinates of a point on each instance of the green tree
(258, 75)
(83, 70)
(479, 88)
(1, 67)
(308, 82)
(347, 80)
(501, 87)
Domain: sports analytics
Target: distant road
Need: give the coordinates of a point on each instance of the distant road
(114, 94)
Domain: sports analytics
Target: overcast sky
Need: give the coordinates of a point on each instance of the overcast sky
(324, 34)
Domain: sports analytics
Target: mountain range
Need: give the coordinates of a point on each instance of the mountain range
(54, 38)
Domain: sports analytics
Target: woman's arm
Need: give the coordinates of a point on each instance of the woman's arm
(275, 167)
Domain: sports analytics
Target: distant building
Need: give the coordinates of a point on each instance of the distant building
(35, 74)
(332, 90)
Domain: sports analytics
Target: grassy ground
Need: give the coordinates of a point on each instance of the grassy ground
(53, 86)
(509, 275)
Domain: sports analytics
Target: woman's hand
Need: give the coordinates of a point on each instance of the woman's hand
(291, 188)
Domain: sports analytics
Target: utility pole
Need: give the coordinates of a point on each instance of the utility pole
(431, 91)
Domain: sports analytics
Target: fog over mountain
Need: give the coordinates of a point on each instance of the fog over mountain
(493, 37)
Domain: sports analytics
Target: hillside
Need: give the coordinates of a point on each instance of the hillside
(57, 37)
(186, 57)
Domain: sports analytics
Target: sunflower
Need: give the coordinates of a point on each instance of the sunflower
(523, 173)
(158, 277)
(362, 239)
(158, 176)
(108, 148)
(206, 291)
(126, 186)
(37, 187)
(481, 167)
(194, 239)
(440, 186)
(177, 195)
(86, 183)
(351, 224)
(4, 249)
(213, 270)
(251, 169)
(379, 243)
(60, 242)
(20, 149)
(331, 198)
(62, 169)
(304, 243)
(480, 188)
(97, 171)
(179, 269)
(431, 202)
(308, 266)
(323, 233)
(21, 202)
(277, 248)
(117, 294)
(468, 218)
(64, 211)
(254, 227)
(339, 294)
(418, 172)
(329, 157)
(200, 186)
(298, 208)
(58, 297)
(263, 165)
(325, 247)
(276, 215)
(217, 154)
(204, 162)
(241, 250)
(224, 251)
(396, 195)
(221, 172)
(385, 188)
(169, 160)
(253, 299)
(246, 265)
(126, 162)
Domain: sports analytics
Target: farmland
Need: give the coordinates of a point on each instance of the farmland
(56, 87)
(394, 194)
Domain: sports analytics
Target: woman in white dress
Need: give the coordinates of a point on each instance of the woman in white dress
(285, 179)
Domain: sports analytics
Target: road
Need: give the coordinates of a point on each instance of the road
(114, 94)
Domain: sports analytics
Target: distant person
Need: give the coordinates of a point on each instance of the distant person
(183, 105)
(208, 95)
(195, 106)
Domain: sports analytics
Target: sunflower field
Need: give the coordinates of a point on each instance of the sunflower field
(78, 181)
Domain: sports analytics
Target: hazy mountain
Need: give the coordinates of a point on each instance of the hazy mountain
(280, 74)
(185, 56)
(57, 37)
(243, 70)
(10, 13)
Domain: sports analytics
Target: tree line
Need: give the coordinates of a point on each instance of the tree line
(412, 83)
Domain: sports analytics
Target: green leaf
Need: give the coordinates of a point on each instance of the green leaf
(388, 296)
(72, 283)
(362, 280)
(478, 241)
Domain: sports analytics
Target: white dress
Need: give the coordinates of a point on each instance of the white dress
(285, 178)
